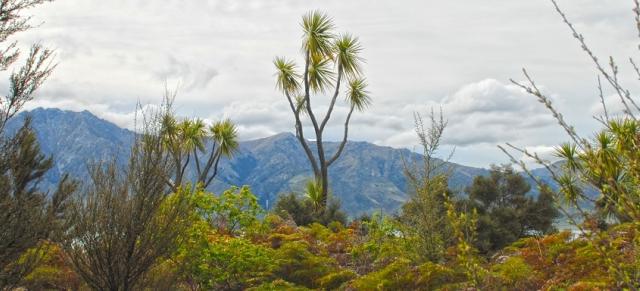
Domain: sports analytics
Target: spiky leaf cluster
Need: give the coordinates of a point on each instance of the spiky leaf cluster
(328, 56)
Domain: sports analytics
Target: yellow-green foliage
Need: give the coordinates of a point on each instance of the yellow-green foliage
(318, 231)
(234, 209)
(383, 243)
(395, 276)
(214, 255)
(165, 275)
(272, 253)
(610, 163)
(404, 275)
(559, 261)
(514, 271)
(432, 276)
(278, 284)
(233, 262)
(298, 265)
(282, 232)
(334, 280)
(53, 271)
(463, 226)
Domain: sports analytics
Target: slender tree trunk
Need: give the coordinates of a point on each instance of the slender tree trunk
(325, 187)
(320, 148)
(324, 179)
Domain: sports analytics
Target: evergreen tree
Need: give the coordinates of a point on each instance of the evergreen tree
(506, 213)
(28, 215)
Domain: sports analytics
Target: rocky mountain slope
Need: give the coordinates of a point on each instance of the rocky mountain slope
(366, 178)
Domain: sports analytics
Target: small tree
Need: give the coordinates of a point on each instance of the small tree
(217, 253)
(37, 68)
(424, 215)
(322, 50)
(187, 141)
(27, 215)
(506, 214)
(123, 224)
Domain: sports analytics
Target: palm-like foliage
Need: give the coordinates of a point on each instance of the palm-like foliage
(180, 139)
(358, 96)
(328, 60)
(313, 191)
(186, 141)
(192, 133)
(610, 164)
(318, 33)
(300, 104)
(287, 80)
(169, 129)
(225, 134)
(568, 152)
(321, 77)
(347, 49)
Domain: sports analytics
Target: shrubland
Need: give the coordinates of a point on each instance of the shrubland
(153, 226)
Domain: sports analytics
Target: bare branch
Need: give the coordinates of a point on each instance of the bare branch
(344, 138)
(26, 81)
(533, 90)
(610, 77)
(300, 136)
(333, 101)
(601, 95)
(524, 167)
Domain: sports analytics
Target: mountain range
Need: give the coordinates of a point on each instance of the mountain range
(366, 178)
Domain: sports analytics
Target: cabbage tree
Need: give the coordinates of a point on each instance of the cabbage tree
(331, 61)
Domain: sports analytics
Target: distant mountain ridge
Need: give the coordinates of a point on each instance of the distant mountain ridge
(366, 178)
(74, 139)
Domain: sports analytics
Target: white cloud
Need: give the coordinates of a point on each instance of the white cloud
(405, 139)
(124, 120)
(544, 152)
(255, 132)
(115, 53)
(487, 111)
(189, 76)
(492, 112)
(104, 111)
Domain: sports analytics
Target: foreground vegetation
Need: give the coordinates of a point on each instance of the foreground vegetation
(153, 226)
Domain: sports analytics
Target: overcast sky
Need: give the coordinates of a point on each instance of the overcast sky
(420, 54)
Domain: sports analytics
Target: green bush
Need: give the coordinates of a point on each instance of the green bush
(278, 285)
(303, 211)
(395, 276)
(334, 280)
(230, 263)
(514, 271)
(433, 276)
(298, 265)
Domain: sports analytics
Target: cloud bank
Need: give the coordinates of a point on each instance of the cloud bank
(420, 55)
